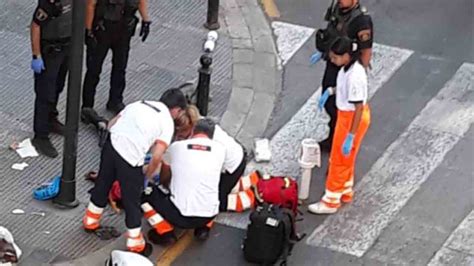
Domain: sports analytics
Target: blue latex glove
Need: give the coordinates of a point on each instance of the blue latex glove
(315, 58)
(347, 146)
(323, 99)
(37, 65)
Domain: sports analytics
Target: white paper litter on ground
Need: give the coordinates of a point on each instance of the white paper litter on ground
(262, 150)
(18, 211)
(26, 149)
(19, 166)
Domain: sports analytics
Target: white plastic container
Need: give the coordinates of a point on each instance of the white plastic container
(309, 157)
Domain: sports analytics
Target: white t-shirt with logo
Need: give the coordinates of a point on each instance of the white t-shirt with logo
(234, 153)
(195, 173)
(352, 86)
(138, 128)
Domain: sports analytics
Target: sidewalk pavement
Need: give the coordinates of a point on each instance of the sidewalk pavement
(243, 92)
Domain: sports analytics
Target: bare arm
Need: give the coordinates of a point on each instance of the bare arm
(357, 117)
(113, 121)
(157, 155)
(35, 39)
(365, 56)
(143, 9)
(90, 11)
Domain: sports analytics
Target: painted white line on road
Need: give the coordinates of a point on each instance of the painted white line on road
(308, 122)
(402, 169)
(290, 38)
(459, 248)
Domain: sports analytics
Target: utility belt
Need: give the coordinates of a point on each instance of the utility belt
(127, 23)
(55, 46)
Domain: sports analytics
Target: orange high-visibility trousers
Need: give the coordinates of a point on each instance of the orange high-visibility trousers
(340, 179)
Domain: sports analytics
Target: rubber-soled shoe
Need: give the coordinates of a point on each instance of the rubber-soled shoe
(321, 208)
(165, 239)
(45, 147)
(201, 233)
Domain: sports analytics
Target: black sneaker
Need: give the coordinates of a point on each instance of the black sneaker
(202, 233)
(115, 108)
(165, 239)
(56, 126)
(45, 147)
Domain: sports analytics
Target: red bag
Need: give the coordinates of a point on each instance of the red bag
(278, 190)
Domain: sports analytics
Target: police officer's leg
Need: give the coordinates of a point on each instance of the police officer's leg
(55, 125)
(45, 89)
(94, 61)
(120, 52)
(107, 175)
(131, 181)
(329, 80)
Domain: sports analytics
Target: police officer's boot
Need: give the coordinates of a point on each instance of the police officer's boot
(44, 146)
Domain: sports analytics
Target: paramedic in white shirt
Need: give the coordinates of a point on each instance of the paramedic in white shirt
(133, 132)
(192, 200)
(235, 190)
(353, 119)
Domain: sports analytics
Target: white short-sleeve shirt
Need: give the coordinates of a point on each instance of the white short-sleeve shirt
(352, 86)
(138, 128)
(234, 153)
(195, 173)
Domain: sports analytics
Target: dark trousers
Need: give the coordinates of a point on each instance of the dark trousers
(117, 39)
(48, 86)
(329, 80)
(162, 204)
(228, 182)
(114, 167)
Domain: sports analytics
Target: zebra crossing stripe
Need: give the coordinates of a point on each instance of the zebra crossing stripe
(308, 122)
(459, 248)
(402, 169)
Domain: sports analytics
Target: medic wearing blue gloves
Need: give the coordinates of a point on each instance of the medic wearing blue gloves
(50, 37)
(353, 119)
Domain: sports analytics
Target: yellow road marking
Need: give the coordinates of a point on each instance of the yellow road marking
(271, 8)
(173, 252)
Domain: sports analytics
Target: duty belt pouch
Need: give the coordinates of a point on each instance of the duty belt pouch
(131, 24)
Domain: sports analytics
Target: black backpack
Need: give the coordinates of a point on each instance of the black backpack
(270, 235)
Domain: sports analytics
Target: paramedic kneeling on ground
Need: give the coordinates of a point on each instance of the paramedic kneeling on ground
(192, 200)
(353, 119)
(132, 132)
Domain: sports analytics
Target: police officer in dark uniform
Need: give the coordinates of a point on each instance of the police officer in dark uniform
(348, 18)
(50, 37)
(110, 24)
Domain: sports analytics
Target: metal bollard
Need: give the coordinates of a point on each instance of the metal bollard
(212, 22)
(203, 84)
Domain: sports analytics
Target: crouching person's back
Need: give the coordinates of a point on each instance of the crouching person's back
(192, 199)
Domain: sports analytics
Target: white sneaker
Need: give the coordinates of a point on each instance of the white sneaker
(321, 208)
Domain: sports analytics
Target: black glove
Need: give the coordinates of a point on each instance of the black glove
(145, 30)
(90, 39)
